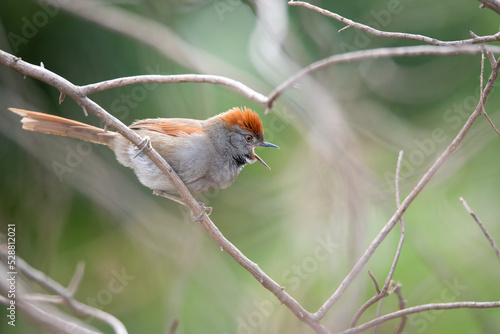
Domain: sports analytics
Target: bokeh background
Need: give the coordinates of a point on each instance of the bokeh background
(307, 220)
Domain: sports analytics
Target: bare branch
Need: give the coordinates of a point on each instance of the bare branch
(401, 239)
(384, 292)
(481, 75)
(66, 295)
(76, 279)
(419, 50)
(75, 92)
(417, 309)
(409, 199)
(377, 287)
(401, 223)
(173, 326)
(180, 78)
(380, 33)
(365, 306)
(402, 305)
(482, 227)
(494, 5)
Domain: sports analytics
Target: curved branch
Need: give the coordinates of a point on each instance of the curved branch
(386, 34)
(417, 309)
(404, 51)
(179, 78)
(411, 197)
(494, 5)
(66, 295)
(76, 93)
(482, 227)
(385, 290)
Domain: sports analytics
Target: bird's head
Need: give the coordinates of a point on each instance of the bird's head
(245, 132)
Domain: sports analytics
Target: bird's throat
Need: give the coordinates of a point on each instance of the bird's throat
(240, 160)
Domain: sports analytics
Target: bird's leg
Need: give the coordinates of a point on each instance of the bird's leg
(169, 196)
(207, 210)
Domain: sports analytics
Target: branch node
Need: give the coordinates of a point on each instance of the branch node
(377, 287)
(61, 97)
(345, 28)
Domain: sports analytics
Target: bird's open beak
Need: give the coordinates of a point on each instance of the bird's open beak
(265, 144)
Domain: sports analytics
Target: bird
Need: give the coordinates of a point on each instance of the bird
(206, 154)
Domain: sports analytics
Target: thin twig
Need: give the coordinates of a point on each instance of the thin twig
(408, 200)
(385, 289)
(402, 305)
(75, 93)
(173, 326)
(364, 307)
(377, 287)
(76, 279)
(380, 33)
(53, 286)
(179, 78)
(481, 76)
(419, 50)
(481, 226)
(417, 309)
(494, 5)
(401, 239)
(401, 223)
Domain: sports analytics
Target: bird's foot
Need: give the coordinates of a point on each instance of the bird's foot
(145, 142)
(206, 210)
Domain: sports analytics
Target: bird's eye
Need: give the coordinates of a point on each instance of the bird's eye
(248, 138)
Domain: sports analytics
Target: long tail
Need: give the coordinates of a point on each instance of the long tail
(36, 121)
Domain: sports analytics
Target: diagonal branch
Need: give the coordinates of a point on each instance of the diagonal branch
(66, 294)
(402, 305)
(494, 5)
(385, 289)
(376, 32)
(481, 88)
(411, 197)
(76, 93)
(417, 309)
(405, 51)
(482, 227)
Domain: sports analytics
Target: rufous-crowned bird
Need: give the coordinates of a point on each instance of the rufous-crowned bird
(206, 154)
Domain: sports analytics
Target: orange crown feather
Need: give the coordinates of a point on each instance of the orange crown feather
(247, 119)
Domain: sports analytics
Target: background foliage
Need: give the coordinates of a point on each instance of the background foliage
(306, 221)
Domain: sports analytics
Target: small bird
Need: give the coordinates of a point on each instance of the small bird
(206, 154)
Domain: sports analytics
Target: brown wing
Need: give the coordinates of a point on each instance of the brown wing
(175, 127)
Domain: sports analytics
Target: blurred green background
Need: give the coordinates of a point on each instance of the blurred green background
(307, 220)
